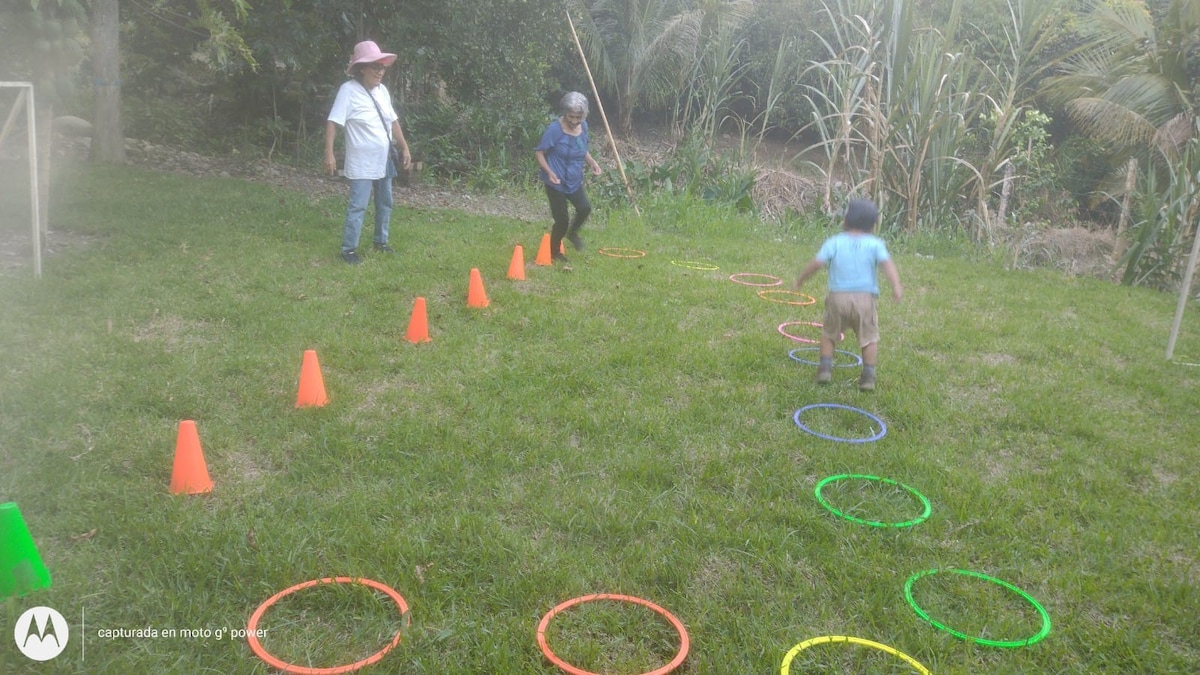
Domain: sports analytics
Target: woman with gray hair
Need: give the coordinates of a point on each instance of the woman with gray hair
(561, 155)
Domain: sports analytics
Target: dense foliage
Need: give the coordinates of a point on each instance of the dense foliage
(977, 116)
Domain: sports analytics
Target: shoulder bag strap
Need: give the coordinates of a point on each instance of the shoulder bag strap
(386, 127)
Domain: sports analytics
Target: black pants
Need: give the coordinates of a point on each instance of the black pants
(562, 222)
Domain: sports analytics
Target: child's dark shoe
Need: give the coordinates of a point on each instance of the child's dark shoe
(866, 382)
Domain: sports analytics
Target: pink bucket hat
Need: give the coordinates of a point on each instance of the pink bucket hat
(368, 52)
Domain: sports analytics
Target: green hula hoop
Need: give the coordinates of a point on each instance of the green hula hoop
(874, 523)
(787, 660)
(1008, 644)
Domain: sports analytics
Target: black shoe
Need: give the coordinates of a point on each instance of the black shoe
(575, 241)
(351, 257)
(383, 248)
(560, 258)
(866, 382)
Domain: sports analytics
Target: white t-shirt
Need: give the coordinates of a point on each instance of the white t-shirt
(366, 134)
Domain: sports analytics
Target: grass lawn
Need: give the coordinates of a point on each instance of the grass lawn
(622, 428)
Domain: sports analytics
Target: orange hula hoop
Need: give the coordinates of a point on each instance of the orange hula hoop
(262, 653)
(684, 641)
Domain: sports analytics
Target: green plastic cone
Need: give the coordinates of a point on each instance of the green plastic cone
(21, 568)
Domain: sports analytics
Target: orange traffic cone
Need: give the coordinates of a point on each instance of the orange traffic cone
(516, 268)
(476, 297)
(418, 325)
(312, 385)
(190, 473)
(562, 248)
(543, 256)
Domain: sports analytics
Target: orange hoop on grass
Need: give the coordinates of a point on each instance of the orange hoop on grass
(684, 642)
(740, 278)
(261, 652)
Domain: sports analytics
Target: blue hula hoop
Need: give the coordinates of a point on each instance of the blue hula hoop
(882, 426)
(856, 357)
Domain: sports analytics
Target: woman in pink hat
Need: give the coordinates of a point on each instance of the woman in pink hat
(363, 107)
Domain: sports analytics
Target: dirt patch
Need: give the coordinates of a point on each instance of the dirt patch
(16, 248)
(315, 183)
(1075, 250)
(779, 193)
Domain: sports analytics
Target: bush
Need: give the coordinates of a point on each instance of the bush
(485, 145)
(694, 170)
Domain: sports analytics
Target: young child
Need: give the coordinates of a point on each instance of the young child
(853, 256)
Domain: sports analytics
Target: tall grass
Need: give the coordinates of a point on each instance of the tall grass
(624, 427)
(914, 120)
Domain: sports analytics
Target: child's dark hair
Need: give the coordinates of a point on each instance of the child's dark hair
(861, 215)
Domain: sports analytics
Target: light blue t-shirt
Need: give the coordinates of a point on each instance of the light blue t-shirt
(852, 259)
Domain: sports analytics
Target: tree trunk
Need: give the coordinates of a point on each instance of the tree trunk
(1005, 193)
(625, 105)
(624, 115)
(108, 137)
(1122, 224)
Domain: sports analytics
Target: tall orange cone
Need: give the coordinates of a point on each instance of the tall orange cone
(418, 325)
(312, 385)
(543, 256)
(476, 297)
(516, 268)
(190, 473)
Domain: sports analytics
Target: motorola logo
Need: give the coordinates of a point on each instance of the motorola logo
(41, 633)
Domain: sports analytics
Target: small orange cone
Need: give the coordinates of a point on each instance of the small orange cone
(543, 256)
(190, 473)
(516, 268)
(476, 297)
(418, 325)
(562, 248)
(312, 385)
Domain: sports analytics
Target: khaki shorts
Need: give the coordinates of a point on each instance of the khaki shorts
(851, 312)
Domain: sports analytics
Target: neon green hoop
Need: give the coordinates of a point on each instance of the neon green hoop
(873, 523)
(1007, 644)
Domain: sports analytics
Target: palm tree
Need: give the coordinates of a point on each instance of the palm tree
(638, 48)
(1131, 87)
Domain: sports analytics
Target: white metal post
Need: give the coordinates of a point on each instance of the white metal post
(25, 95)
(35, 209)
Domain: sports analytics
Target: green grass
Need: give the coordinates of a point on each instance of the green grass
(622, 428)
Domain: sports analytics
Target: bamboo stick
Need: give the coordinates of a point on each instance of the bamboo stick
(1184, 291)
(600, 106)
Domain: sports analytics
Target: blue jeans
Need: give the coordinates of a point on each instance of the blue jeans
(360, 194)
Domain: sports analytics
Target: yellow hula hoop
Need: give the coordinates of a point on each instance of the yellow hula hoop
(787, 660)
